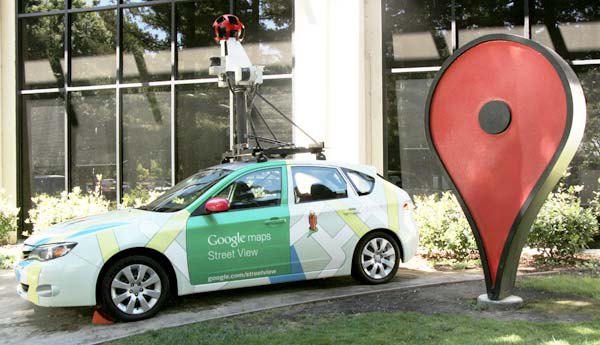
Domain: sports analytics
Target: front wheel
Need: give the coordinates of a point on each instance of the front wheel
(134, 288)
(376, 258)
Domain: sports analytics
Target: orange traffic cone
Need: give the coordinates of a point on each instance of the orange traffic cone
(100, 319)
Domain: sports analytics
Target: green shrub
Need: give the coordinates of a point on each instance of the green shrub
(595, 206)
(563, 227)
(7, 261)
(139, 196)
(9, 217)
(443, 229)
(49, 210)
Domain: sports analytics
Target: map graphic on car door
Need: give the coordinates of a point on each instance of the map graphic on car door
(323, 193)
(251, 240)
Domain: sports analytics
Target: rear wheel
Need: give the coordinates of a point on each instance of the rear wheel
(376, 258)
(134, 288)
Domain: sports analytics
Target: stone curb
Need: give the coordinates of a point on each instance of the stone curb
(329, 298)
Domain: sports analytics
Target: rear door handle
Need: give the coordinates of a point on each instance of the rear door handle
(275, 221)
(350, 211)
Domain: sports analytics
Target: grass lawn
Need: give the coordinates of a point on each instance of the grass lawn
(277, 327)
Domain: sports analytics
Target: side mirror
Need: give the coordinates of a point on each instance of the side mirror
(216, 205)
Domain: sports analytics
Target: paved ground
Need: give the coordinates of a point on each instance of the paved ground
(21, 321)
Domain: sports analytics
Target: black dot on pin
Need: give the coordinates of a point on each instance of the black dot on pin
(494, 117)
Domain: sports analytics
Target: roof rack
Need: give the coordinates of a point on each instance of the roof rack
(260, 154)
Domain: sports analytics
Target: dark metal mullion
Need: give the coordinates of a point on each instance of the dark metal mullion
(67, 83)
(454, 28)
(91, 9)
(526, 19)
(118, 105)
(145, 4)
(384, 94)
(94, 9)
(173, 96)
(19, 126)
(40, 14)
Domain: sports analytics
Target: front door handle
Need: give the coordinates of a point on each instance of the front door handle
(350, 211)
(275, 221)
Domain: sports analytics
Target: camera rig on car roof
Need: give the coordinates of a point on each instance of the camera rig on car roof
(235, 71)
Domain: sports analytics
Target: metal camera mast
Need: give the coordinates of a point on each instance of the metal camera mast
(235, 71)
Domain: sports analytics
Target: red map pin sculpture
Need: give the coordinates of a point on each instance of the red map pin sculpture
(505, 116)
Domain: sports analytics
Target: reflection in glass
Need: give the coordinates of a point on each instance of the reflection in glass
(417, 32)
(476, 18)
(93, 142)
(572, 29)
(42, 52)
(195, 37)
(44, 144)
(411, 164)
(279, 93)
(586, 164)
(92, 3)
(269, 26)
(202, 127)
(146, 139)
(93, 48)
(32, 6)
(147, 43)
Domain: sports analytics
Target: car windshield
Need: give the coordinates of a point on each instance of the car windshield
(186, 191)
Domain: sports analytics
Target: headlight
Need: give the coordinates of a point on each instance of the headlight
(51, 251)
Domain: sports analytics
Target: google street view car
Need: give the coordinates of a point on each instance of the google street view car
(249, 221)
(229, 226)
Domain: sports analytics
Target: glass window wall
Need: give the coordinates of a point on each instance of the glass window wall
(143, 113)
(147, 43)
(146, 139)
(42, 52)
(417, 33)
(570, 28)
(93, 48)
(43, 144)
(195, 37)
(93, 142)
(476, 18)
(33, 6)
(202, 127)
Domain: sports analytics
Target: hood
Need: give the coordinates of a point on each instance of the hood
(74, 229)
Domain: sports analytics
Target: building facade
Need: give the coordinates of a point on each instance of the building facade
(115, 94)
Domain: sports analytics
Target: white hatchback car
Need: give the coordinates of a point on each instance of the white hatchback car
(229, 226)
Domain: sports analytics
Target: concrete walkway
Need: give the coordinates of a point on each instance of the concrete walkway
(20, 321)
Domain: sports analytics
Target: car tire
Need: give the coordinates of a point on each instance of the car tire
(134, 288)
(376, 258)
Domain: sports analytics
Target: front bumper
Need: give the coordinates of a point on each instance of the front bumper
(64, 282)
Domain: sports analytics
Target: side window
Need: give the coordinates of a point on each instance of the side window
(318, 183)
(363, 183)
(256, 189)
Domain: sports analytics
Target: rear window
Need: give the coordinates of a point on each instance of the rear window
(362, 183)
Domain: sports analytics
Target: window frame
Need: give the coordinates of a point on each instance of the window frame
(293, 182)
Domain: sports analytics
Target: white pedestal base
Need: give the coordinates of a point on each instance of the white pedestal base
(508, 303)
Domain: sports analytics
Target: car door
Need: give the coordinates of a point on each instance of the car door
(320, 203)
(251, 240)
